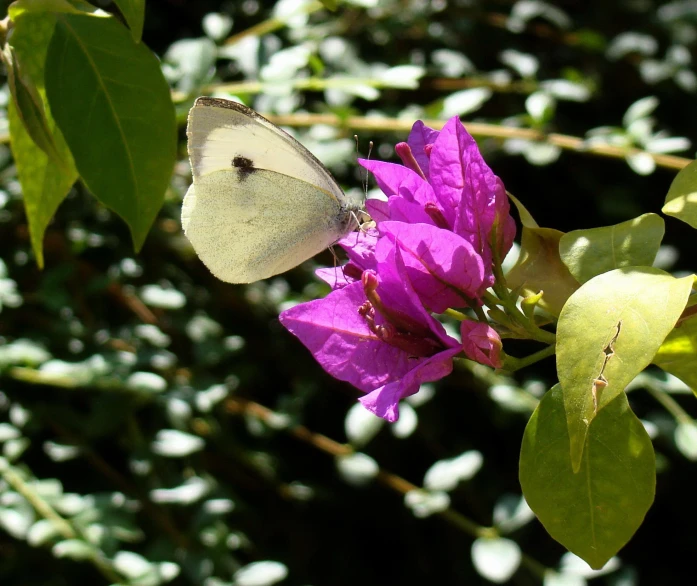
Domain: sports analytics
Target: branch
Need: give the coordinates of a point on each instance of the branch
(564, 141)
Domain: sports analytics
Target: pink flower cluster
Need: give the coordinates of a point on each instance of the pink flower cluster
(445, 221)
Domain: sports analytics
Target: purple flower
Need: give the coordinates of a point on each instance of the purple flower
(447, 183)
(420, 143)
(443, 268)
(376, 334)
(443, 226)
(360, 249)
(482, 343)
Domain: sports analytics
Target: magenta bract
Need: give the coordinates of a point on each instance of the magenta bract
(444, 224)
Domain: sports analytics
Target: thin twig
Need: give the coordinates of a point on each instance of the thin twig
(62, 525)
(670, 404)
(379, 124)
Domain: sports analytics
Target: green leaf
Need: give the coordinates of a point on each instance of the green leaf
(134, 13)
(539, 268)
(588, 253)
(45, 180)
(608, 332)
(594, 512)
(678, 353)
(20, 8)
(525, 216)
(44, 183)
(681, 201)
(29, 105)
(120, 124)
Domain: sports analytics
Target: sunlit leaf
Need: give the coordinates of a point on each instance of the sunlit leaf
(22, 7)
(608, 332)
(74, 549)
(263, 573)
(447, 474)
(588, 253)
(686, 440)
(540, 268)
(595, 511)
(681, 201)
(357, 468)
(678, 353)
(45, 180)
(192, 63)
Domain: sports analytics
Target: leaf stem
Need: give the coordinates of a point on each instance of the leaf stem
(459, 316)
(512, 364)
(509, 303)
(670, 404)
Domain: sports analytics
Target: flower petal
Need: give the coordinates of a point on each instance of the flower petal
(472, 196)
(420, 136)
(399, 180)
(335, 277)
(481, 343)
(384, 402)
(448, 169)
(378, 210)
(360, 248)
(402, 210)
(398, 293)
(442, 264)
(341, 341)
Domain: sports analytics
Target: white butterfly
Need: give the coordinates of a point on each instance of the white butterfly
(260, 202)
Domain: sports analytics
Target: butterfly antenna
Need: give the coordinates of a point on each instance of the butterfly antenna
(365, 222)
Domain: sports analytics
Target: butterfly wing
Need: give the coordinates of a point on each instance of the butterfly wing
(222, 131)
(252, 226)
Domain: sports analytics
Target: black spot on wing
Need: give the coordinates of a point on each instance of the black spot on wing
(245, 167)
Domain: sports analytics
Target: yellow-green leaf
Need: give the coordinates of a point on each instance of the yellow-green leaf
(45, 180)
(595, 511)
(29, 105)
(588, 253)
(20, 8)
(525, 216)
(539, 268)
(681, 201)
(44, 183)
(608, 332)
(678, 353)
(330, 4)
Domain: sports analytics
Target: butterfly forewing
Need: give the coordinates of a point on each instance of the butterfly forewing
(221, 132)
(260, 202)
